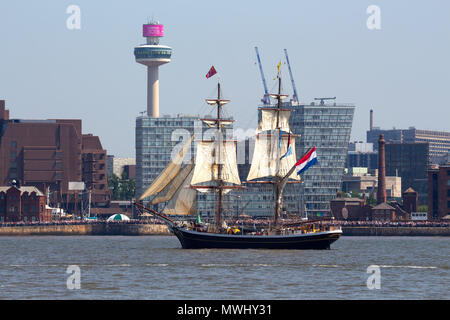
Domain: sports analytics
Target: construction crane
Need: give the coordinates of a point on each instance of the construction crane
(265, 100)
(292, 78)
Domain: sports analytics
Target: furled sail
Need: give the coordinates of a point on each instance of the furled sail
(267, 154)
(169, 172)
(269, 120)
(212, 123)
(207, 162)
(183, 202)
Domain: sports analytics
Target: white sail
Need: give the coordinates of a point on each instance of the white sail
(207, 160)
(269, 120)
(169, 172)
(266, 157)
(168, 192)
(183, 202)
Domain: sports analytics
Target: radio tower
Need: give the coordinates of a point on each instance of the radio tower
(152, 55)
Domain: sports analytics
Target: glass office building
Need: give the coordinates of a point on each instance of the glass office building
(328, 127)
(155, 140)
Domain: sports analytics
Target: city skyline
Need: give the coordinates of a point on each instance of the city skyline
(49, 71)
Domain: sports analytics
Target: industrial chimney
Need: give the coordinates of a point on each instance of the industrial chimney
(381, 193)
(371, 119)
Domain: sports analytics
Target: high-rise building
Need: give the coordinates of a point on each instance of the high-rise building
(439, 141)
(410, 161)
(328, 127)
(155, 141)
(361, 155)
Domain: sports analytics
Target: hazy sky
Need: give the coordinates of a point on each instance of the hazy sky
(402, 70)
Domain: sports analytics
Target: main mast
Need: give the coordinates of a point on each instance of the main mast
(277, 180)
(219, 164)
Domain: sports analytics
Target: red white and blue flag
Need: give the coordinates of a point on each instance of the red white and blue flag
(211, 72)
(306, 161)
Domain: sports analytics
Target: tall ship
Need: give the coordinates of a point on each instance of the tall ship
(214, 170)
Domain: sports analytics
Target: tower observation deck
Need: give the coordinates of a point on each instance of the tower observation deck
(152, 55)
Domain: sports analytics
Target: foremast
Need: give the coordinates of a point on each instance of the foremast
(216, 159)
(219, 164)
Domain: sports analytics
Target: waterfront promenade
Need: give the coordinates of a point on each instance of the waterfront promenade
(139, 227)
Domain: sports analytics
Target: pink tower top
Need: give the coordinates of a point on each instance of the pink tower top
(153, 30)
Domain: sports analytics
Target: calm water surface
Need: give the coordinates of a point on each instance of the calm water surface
(155, 267)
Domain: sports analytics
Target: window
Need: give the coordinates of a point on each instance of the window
(13, 144)
(13, 155)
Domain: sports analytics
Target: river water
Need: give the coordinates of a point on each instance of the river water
(155, 267)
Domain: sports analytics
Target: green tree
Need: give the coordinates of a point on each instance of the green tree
(122, 188)
(422, 208)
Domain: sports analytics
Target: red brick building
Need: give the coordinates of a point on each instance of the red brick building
(410, 200)
(383, 212)
(50, 154)
(94, 169)
(23, 204)
(438, 192)
(350, 209)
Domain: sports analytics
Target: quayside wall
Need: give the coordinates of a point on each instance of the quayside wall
(124, 229)
(107, 229)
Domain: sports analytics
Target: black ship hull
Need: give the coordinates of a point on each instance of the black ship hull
(201, 240)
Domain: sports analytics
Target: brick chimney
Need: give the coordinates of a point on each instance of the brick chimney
(4, 114)
(381, 193)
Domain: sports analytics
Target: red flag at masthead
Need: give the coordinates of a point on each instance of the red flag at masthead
(211, 72)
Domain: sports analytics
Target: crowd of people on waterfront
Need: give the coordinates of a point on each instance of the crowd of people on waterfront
(407, 223)
(243, 222)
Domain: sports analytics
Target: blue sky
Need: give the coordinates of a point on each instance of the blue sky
(402, 71)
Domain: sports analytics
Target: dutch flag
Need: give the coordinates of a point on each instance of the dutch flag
(306, 161)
